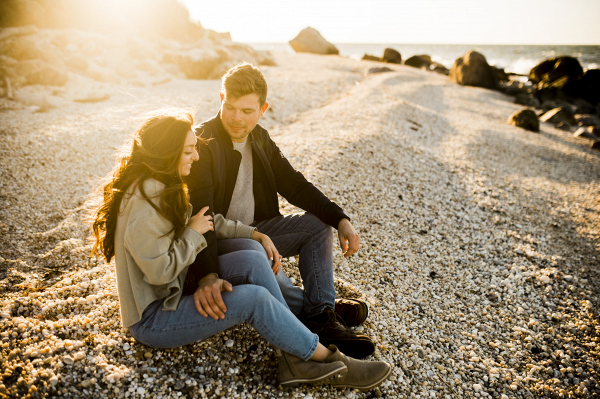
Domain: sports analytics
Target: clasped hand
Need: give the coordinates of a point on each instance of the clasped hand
(200, 222)
(208, 299)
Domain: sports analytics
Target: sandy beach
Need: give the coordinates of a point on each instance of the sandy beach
(479, 240)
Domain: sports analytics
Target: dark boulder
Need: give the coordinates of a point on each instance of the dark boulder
(502, 76)
(527, 100)
(419, 61)
(368, 57)
(553, 69)
(525, 119)
(392, 56)
(472, 69)
(557, 115)
(378, 70)
(309, 40)
(587, 120)
(587, 87)
(439, 68)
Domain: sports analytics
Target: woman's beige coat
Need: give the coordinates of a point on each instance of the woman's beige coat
(151, 265)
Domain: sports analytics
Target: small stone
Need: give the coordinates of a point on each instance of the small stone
(86, 383)
(68, 360)
(148, 355)
(79, 355)
(514, 387)
(377, 392)
(421, 353)
(544, 279)
(141, 390)
(229, 343)
(126, 346)
(439, 367)
(477, 387)
(504, 396)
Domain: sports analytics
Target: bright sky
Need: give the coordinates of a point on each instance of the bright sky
(405, 21)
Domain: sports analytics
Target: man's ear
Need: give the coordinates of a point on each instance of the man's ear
(222, 97)
(264, 108)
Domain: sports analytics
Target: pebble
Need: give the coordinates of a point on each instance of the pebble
(229, 343)
(148, 355)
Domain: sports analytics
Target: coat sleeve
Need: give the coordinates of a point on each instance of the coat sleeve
(294, 187)
(225, 228)
(159, 259)
(200, 189)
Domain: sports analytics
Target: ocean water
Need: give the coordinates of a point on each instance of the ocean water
(513, 58)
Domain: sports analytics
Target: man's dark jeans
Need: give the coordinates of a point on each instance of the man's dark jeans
(307, 236)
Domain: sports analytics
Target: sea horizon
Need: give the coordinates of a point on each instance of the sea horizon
(516, 58)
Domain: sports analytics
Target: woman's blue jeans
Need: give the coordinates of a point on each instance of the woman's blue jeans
(255, 298)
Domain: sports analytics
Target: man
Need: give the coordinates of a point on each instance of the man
(239, 174)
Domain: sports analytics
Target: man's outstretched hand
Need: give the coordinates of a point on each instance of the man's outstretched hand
(207, 297)
(349, 239)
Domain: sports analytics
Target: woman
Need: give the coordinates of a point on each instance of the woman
(145, 223)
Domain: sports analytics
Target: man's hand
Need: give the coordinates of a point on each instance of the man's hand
(207, 297)
(349, 239)
(272, 252)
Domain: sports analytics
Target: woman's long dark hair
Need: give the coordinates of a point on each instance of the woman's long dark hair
(155, 153)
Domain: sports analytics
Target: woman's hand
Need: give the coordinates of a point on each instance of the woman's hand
(208, 299)
(200, 222)
(272, 252)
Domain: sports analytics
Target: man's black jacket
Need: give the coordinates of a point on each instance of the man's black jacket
(212, 180)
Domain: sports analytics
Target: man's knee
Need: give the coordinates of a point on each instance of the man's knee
(317, 226)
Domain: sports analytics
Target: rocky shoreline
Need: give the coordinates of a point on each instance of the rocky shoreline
(479, 255)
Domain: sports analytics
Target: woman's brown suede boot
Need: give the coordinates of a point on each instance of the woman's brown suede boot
(293, 371)
(362, 374)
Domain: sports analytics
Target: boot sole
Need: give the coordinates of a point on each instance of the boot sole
(320, 380)
(356, 348)
(367, 387)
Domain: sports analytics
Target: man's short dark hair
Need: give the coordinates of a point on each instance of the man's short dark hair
(244, 79)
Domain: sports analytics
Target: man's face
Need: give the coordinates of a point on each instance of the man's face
(240, 115)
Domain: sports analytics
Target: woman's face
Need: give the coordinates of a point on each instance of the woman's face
(188, 155)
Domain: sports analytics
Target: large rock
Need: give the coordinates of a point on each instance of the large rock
(558, 115)
(419, 61)
(38, 72)
(309, 40)
(392, 56)
(526, 119)
(472, 69)
(554, 69)
(587, 87)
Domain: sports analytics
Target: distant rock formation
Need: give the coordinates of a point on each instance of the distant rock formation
(309, 40)
(368, 57)
(54, 56)
(472, 69)
(419, 61)
(391, 56)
